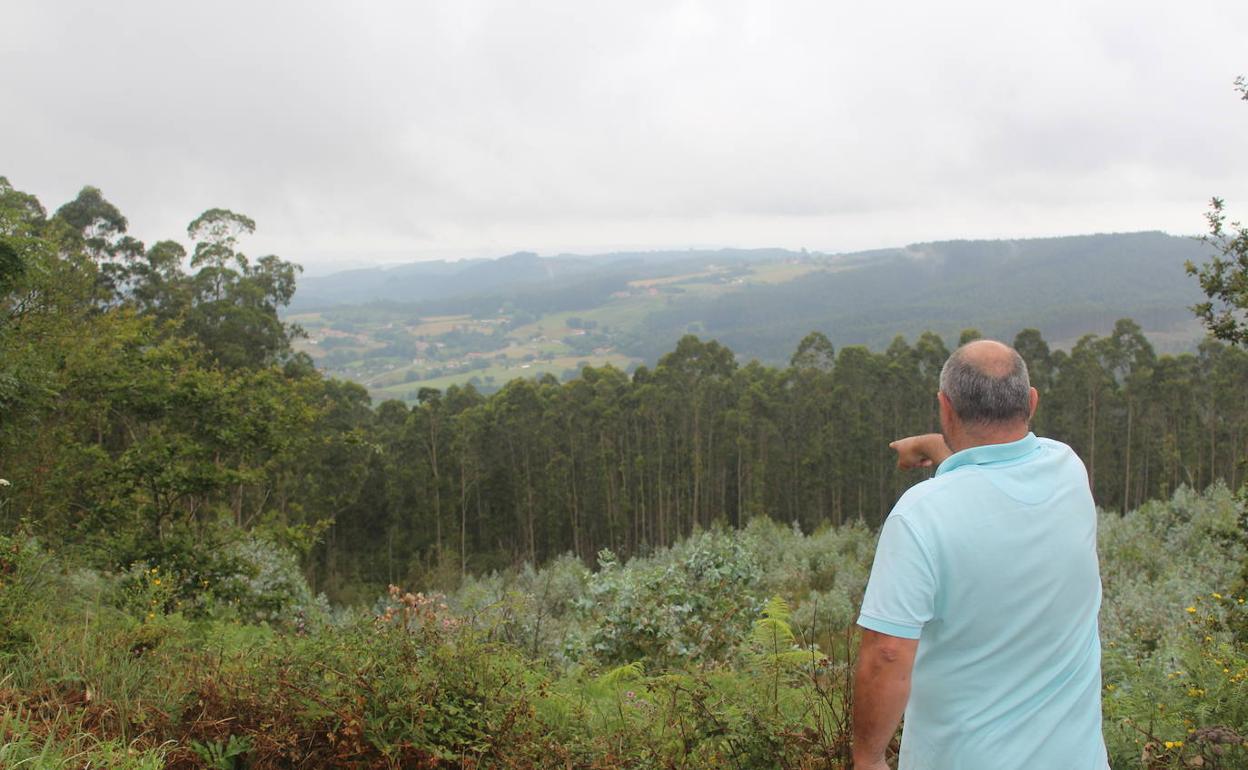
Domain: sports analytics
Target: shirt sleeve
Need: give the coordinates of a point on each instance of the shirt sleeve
(901, 593)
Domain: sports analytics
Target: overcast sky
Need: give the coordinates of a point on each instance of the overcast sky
(357, 133)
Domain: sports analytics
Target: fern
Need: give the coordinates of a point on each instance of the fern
(773, 639)
(772, 633)
(629, 672)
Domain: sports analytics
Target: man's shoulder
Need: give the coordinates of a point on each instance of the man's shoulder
(928, 495)
(1053, 444)
(1065, 457)
(949, 490)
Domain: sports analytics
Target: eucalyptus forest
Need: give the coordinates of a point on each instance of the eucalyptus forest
(212, 555)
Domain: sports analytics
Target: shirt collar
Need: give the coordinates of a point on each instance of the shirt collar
(990, 453)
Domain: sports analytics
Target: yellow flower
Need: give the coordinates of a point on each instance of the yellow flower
(156, 581)
(1216, 595)
(1191, 610)
(1174, 744)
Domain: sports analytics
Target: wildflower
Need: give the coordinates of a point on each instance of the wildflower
(5, 483)
(1191, 610)
(1174, 744)
(151, 615)
(156, 581)
(1216, 595)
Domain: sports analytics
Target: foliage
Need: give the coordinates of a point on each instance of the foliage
(1224, 278)
(64, 744)
(773, 640)
(427, 680)
(1175, 665)
(223, 756)
(1159, 558)
(692, 605)
(240, 576)
(23, 578)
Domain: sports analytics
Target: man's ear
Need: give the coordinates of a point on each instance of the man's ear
(1035, 401)
(947, 414)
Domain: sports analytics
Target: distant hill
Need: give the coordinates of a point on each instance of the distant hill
(436, 323)
(1062, 286)
(440, 280)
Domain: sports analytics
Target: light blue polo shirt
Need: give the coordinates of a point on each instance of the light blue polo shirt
(992, 566)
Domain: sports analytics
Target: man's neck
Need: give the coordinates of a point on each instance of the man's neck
(983, 436)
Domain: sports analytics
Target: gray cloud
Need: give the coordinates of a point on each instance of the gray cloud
(401, 130)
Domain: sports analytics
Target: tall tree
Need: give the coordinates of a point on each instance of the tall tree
(235, 303)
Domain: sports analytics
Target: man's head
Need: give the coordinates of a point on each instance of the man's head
(985, 395)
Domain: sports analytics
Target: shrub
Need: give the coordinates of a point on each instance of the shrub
(693, 603)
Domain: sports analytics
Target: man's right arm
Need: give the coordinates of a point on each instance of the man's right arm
(924, 451)
(881, 689)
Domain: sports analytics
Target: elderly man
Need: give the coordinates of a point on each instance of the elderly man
(980, 617)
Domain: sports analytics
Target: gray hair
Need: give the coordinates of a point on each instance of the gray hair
(980, 398)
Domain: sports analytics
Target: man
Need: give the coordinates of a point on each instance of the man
(980, 617)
